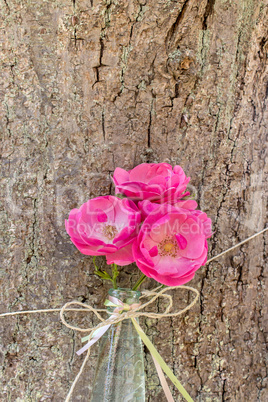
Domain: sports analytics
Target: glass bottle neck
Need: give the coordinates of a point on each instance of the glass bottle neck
(125, 295)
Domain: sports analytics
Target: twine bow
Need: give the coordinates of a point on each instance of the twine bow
(124, 311)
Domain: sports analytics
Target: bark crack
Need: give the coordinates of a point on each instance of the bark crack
(223, 390)
(32, 252)
(74, 23)
(208, 12)
(150, 121)
(107, 20)
(103, 124)
(174, 27)
(7, 120)
(7, 5)
(127, 49)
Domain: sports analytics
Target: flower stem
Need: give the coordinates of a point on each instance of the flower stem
(115, 275)
(139, 282)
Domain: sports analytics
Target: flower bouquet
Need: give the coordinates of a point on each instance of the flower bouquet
(153, 222)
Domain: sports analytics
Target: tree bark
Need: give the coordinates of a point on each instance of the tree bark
(90, 85)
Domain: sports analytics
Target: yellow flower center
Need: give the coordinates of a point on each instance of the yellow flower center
(168, 247)
(109, 231)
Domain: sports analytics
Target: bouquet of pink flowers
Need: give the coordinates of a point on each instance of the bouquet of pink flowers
(150, 221)
(153, 222)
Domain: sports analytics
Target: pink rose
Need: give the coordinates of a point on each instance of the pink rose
(105, 226)
(171, 244)
(156, 182)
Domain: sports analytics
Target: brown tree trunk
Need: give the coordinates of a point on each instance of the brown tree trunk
(90, 85)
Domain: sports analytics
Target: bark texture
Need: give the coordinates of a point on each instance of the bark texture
(88, 85)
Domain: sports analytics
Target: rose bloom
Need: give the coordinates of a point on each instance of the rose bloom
(105, 226)
(172, 244)
(157, 182)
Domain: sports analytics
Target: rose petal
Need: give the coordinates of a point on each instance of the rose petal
(101, 215)
(154, 251)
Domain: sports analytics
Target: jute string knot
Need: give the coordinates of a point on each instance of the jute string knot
(133, 312)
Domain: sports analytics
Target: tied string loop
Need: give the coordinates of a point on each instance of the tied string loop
(124, 311)
(133, 313)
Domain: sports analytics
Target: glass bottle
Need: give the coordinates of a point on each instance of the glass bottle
(119, 375)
